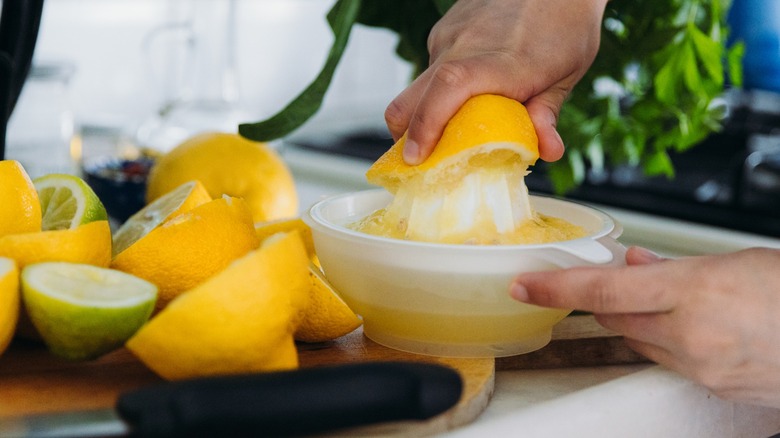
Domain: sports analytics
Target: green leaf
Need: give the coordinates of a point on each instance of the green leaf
(669, 55)
(567, 173)
(659, 163)
(412, 20)
(710, 53)
(341, 18)
(595, 153)
(443, 5)
(666, 81)
(691, 68)
(734, 62)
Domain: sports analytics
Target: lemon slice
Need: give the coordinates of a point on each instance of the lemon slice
(179, 200)
(83, 311)
(67, 202)
(9, 301)
(238, 321)
(268, 228)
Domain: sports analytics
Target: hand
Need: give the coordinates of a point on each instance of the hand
(715, 319)
(533, 51)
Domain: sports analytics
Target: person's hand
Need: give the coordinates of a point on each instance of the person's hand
(715, 319)
(533, 51)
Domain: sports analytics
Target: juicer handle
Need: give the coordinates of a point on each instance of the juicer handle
(603, 251)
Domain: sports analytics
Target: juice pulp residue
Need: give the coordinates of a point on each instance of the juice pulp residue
(477, 199)
(537, 230)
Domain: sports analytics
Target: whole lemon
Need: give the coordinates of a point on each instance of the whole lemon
(228, 164)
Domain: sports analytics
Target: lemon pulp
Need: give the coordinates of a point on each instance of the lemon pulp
(487, 206)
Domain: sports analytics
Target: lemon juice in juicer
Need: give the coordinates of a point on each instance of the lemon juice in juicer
(427, 262)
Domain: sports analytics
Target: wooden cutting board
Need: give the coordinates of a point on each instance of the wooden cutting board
(32, 381)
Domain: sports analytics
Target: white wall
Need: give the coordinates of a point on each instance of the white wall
(280, 47)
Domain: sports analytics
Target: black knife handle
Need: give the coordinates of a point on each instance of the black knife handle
(292, 402)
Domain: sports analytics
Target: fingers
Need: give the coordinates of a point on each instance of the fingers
(545, 119)
(654, 353)
(637, 255)
(631, 289)
(425, 107)
(400, 110)
(448, 88)
(650, 328)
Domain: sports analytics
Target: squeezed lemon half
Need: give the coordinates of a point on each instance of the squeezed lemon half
(471, 190)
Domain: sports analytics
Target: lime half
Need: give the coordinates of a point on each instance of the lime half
(83, 311)
(67, 202)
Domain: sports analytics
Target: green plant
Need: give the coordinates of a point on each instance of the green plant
(653, 88)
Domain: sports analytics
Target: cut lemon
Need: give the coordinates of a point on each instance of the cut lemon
(471, 189)
(327, 316)
(238, 321)
(9, 301)
(67, 202)
(187, 249)
(485, 124)
(269, 228)
(83, 311)
(20, 211)
(179, 200)
(89, 243)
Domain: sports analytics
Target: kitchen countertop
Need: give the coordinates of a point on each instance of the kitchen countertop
(636, 400)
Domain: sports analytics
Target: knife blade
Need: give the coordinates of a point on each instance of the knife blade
(287, 403)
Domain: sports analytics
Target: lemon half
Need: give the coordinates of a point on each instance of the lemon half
(472, 187)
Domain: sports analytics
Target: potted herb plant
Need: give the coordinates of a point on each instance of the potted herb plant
(654, 87)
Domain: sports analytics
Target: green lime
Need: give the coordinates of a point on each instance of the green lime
(67, 202)
(84, 311)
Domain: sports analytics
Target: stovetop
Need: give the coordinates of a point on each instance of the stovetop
(730, 180)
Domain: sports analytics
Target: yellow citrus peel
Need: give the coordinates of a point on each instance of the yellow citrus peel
(238, 321)
(471, 189)
(229, 164)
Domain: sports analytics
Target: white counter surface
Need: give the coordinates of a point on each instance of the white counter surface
(615, 401)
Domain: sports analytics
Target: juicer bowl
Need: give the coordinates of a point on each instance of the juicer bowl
(444, 299)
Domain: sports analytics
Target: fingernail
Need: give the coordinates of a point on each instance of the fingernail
(518, 292)
(411, 152)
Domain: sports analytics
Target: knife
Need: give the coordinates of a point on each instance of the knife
(286, 403)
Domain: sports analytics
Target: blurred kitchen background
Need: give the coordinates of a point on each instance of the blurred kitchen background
(111, 78)
(153, 69)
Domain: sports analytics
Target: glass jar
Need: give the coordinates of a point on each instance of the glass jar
(41, 128)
